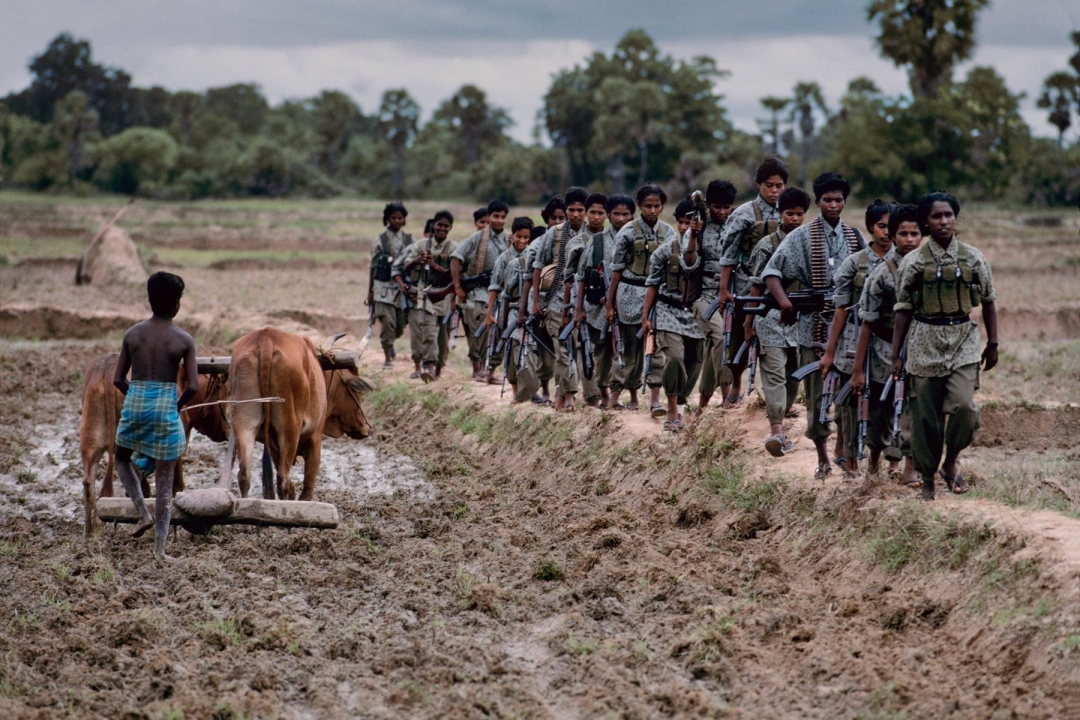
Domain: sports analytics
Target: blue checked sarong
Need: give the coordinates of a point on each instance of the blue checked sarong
(150, 423)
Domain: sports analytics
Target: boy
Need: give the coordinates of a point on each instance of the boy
(937, 286)
(549, 260)
(748, 224)
(480, 218)
(150, 422)
(381, 287)
(810, 255)
(507, 281)
(719, 196)
(844, 331)
(678, 335)
(778, 354)
(477, 255)
(634, 246)
(875, 337)
(425, 265)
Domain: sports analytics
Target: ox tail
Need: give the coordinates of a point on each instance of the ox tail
(111, 422)
(266, 359)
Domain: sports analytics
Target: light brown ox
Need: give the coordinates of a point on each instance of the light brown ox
(272, 363)
(102, 404)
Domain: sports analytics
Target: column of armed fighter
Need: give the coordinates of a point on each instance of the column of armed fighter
(616, 306)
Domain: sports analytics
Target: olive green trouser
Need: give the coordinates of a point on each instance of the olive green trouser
(879, 434)
(564, 381)
(714, 373)
(423, 336)
(392, 323)
(943, 415)
(682, 356)
(634, 357)
(603, 359)
(475, 313)
(443, 342)
(738, 335)
(815, 429)
(775, 366)
(539, 366)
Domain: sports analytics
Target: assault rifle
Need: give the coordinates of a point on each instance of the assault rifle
(650, 350)
(586, 351)
(751, 347)
(898, 385)
(470, 282)
(454, 317)
(828, 392)
(864, 411)
(802, 301)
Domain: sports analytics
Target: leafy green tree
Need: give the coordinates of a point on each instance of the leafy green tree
(1060, 94)
(475, 126)
(928, 37)
(664, 107)
(135, 162)
(336, 119)
(242, 103)
(183, 107)
(397, 122)
(806, 102)
(75, 125)
(999, 135)
(771, 126)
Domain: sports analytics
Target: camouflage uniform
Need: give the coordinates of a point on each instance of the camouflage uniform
(778, 352)
(506, 281)
(583, 258)
(942, 360)
(392, 318)
(630, 300)
(547, 253)
(678, 335)
(424, 317)
(714, 373)
(474, 309)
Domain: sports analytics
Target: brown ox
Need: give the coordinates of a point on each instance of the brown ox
(272, 363)
(102, 404)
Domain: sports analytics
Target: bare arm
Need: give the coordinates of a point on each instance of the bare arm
(725, 283)
(776, 289)
(191, 369)
(579, 304)
(490, 319)
(990, 354)
(455, 275)
(899, 335)
(535, 288)
(858, 378)
(650, 300)
(123, 365)
(616, 278)
(835, 330)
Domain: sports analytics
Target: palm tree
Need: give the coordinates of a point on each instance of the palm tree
(806, 99)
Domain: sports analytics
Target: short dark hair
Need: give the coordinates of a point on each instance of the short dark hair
(442, 215)
(164, 291)
(576, 195)
(771, 165)
(538, 231)
(479, 213)
(828, 182)
(650, 189)
(877, 210)
(555, 203)
(429, 226)
(926, 204)
(793, 197)
(720, 192)
(497, 205)
(684, 208)
(615, 201)
(596, 199)
(390, 209)
(902, 214)
(521, 223)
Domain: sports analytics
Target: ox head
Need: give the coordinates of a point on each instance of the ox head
(210, 421)
(344, 412)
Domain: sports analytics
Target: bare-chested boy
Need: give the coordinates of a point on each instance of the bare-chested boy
(150, 422)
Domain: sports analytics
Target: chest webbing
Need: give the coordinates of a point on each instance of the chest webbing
(560, 262)
(477, 264)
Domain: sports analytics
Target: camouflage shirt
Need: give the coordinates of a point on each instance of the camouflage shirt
(939, 350)
(442, 252)
(879, 294)
(845, 298)
(385, 290)
(770, 331)
(594, 314)
(544, 254)
(738, 223)
(630, 299)
(711, 250)
(467, 252)
(668, 317)
(791, 261)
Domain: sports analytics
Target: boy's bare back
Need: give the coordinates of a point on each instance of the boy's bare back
(154, 349)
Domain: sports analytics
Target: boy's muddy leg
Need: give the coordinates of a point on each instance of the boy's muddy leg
(163, 482)
(130, 479)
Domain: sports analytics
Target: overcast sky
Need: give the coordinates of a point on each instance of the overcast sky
(510, 49)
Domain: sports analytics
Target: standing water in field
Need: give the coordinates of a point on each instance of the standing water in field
(46, 482)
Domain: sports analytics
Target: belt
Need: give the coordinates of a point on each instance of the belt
(633, 281)
(943, 320)
(670, 301)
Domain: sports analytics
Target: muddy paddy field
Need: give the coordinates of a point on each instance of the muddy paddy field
(508, 563)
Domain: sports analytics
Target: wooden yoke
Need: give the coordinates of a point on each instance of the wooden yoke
(328, 360)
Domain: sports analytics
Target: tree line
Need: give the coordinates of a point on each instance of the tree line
(614, 120)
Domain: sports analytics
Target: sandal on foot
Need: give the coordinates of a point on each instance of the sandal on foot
(775, 445)
(658, 411)
(427, 376)
(672, 426)
(927, 494)
(633, 407)
(617, 406)
(415, 375)
(840, 462)
(823, 471)
(388, 365)
(792, 414)
(788, 445)
(956, 483)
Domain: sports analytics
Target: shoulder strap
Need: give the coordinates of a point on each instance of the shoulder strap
(758, 216)
(406, 240)
(477, 264)
(776, 240)
(384, 240)
(892, 268)
(598, 249)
